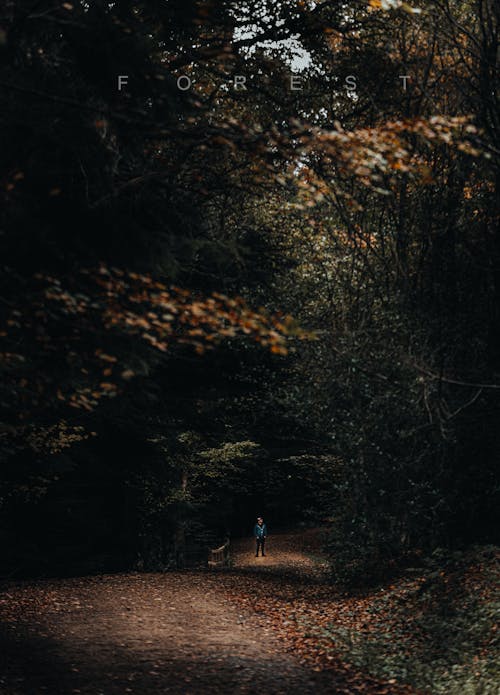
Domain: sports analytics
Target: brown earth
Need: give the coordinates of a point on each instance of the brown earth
(176, 632)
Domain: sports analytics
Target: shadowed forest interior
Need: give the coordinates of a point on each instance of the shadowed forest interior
(250, 265)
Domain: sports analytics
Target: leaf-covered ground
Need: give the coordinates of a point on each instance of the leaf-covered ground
(267, 625)
(433, 629)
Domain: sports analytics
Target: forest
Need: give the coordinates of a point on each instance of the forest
(250, 265)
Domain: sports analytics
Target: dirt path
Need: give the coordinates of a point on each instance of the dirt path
(287, 554)
(154, 633)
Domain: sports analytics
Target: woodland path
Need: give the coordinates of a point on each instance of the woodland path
(151, 633)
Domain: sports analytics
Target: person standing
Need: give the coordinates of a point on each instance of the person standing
(260, 533)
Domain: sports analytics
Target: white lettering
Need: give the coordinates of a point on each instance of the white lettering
(404, 78)
(239, 82)
(350, 83)
(184, 83)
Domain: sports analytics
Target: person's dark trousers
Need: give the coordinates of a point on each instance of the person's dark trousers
(260, 543)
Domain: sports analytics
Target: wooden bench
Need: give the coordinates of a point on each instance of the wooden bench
(219, 557)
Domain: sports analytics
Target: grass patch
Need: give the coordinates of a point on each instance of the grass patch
(437, 633)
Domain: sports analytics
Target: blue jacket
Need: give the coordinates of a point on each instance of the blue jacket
(260, 531)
